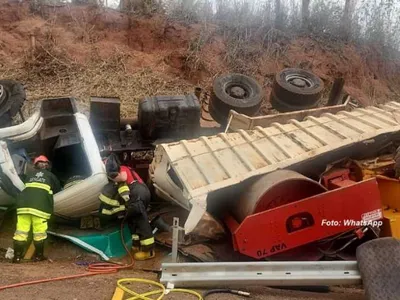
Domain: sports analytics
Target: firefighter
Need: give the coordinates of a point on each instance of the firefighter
(127, 194)
(34, 208)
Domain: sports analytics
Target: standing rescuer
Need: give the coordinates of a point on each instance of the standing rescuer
(127, 195)
(34, 208)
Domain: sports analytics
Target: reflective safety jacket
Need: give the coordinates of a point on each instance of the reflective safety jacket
(37, 197)
(113, 198)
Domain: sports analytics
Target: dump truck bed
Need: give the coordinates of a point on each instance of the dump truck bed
(240, 121)
(189, 170)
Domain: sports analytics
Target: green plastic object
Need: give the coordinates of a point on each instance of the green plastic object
(106, 243)
(110, 242)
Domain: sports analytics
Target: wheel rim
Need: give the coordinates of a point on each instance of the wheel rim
(299, 81)
(236, 91)
(1, 91)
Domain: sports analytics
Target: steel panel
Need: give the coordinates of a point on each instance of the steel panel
(206, 275)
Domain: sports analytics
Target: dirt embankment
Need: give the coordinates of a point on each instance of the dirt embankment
(84, 51)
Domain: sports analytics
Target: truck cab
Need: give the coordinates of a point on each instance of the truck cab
(64, 135)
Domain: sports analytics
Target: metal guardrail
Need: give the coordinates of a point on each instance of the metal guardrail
(230, 274)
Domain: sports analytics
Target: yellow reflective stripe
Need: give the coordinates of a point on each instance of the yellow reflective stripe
(39, 236)
(112, 211)
(124, 192)
(38, 185)
(32, 211)
(109, 201)
(21, 232)
(123, 189)
(135, 237)
(20, 235)
(147, 242)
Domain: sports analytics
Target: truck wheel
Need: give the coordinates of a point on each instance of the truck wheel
(283, 107)
(2, 94)
(297, 88)
(5, 120)
(235, 91)
(11, 100)
(379, 264)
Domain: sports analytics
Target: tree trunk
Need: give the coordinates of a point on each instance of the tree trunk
(305, 14)
(347, 17)
(124, 5)
(84, 2)
(278, 14)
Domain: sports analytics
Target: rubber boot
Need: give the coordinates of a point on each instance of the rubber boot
(19, 248)
(39, 246)
(135, 249)
(135, 246)
(141, 255)
(159, 223)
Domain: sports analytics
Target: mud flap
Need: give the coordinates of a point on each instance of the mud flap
(379, 264)
(199, 207)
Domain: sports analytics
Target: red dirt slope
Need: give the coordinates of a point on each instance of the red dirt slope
(82, 51)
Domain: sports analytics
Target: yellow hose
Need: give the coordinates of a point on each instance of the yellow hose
(146, 295)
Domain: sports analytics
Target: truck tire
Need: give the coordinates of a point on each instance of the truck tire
(5, 120)
(12, 100)
(379, 265)
(283, 107)
(235, 91)
(3, 94)
(297, 88)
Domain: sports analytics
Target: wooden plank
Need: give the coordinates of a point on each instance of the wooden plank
(118, 294)
(29, 253)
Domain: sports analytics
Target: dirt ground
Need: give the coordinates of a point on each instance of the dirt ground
(102, 286)
(65, 258)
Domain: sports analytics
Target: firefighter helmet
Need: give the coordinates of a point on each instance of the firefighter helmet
(41, 158)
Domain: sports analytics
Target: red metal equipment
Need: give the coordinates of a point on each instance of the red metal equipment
(337, 178)
(301, 221)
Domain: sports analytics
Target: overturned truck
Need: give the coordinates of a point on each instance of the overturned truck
(210, 173)
(75, 145)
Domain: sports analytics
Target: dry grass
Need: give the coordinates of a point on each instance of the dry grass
(48, 60)
(247, 32)
(48, 71)
(193, 60)
(96, 78)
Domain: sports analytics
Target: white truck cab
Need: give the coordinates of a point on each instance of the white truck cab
(64, 135)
